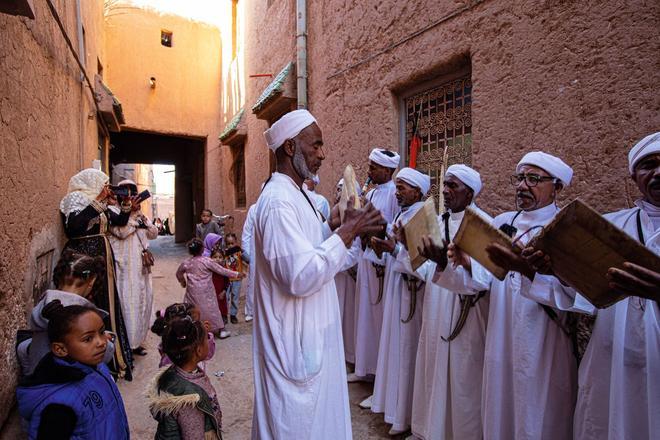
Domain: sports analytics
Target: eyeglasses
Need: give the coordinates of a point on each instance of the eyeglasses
(531, 180)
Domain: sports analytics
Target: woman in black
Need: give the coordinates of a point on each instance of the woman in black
(86, 219)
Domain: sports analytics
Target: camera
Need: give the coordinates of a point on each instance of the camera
(126, 191)
(123, 191)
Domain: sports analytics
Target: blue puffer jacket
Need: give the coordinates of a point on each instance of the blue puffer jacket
(89, 392)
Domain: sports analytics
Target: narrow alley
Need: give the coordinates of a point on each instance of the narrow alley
(374, 168)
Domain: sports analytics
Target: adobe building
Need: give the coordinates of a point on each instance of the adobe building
(167, 69)
(487, 81)
(49, 130)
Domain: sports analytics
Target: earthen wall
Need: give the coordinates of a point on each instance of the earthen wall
(48, 132)
(576, 79)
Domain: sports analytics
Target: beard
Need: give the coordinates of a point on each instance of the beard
(300, 165)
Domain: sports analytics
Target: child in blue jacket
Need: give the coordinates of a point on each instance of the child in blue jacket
(71, 394)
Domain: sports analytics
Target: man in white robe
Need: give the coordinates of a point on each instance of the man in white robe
(402, 317)
(247, 245)
(299, 373)
(345, 283)
(530, 372)
(369, 307)
(321, 203)
(450, 355)
(619, 380)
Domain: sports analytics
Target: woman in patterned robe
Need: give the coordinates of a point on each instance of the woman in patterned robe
(86, 219)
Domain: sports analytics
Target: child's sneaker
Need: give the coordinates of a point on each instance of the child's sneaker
(224, 334)
(234, 319)
(248, 318)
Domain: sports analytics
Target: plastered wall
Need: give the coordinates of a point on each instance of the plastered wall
(576, 79)
(46, 136)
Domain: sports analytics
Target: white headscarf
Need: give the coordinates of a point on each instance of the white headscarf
(553, 165)
(415, 178)
(384, 160)
(467, 175)
(288, 127)
(127, 182)
(647, 146)
(83, 188)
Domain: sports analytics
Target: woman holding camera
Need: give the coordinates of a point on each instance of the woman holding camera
(133, 262)
(86, 219)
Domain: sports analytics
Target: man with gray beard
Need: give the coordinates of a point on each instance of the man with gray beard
(299, 373)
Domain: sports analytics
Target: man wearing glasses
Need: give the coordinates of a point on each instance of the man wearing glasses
(529, 379)
(619, 385)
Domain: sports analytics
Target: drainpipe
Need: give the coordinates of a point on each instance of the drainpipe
(301, 57)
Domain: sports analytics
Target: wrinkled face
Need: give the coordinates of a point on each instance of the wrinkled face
(647, 177)
(206, 217)
(309, 154)
(86, 340)
(457, 195)
(406, 194)
(530, 198)
(379, 174)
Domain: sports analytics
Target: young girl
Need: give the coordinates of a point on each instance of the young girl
(74, 277)
(71, 393)
(195, 274)
(181, 397)
(174, 311)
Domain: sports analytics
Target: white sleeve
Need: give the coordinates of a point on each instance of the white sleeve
(353, 254)
(301, 268)
(459, 280)
(548, 290)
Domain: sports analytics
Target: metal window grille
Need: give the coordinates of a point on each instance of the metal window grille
(444, 125)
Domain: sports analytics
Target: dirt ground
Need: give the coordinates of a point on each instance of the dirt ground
(230, 370)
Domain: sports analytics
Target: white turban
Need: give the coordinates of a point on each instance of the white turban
(383, 159)
(340, 184)
(415, 178)
(553, 165)
(288, 127)
(647, 146)
(467, 175)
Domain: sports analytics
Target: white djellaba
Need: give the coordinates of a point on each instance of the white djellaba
(299, 370)
(448, 374)
(369, 314)
(530, 372)
(618, 381)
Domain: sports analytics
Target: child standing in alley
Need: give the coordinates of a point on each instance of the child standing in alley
(233, 260)
(213, 249)
(74, 277)
(207, 225)
(195, 274)
(179, 311)
(181, 397)
(71, 393)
